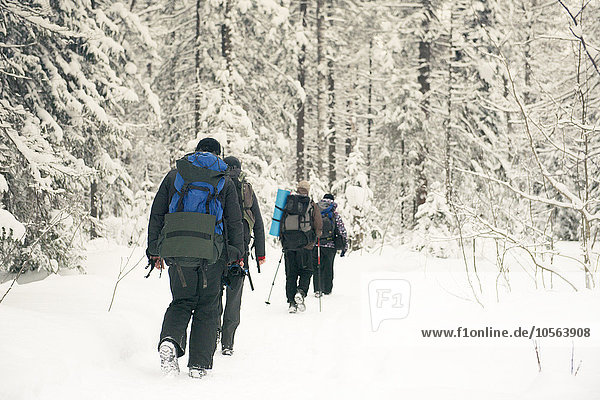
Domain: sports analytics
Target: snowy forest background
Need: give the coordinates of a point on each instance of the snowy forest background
(435, 123)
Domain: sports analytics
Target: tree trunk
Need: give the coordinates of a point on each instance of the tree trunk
(425, 56)
(349, 128)
(301, 108)
(197, 72)
(369, 111)
(586, 234)
(448, 127)
(94, 207)
(321, 108)
(226, 44)
(529, 35)
(423, 80)
(350, 122)
(331, 99)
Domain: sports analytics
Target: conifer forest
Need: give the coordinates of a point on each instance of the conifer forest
(436, 124)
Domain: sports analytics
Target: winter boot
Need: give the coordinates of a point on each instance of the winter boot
(299, 298)
(197, 373)
(168, 358)
(227, 351)
(293, 308)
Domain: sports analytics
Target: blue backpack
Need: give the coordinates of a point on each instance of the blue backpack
(330, 229)
(329, 224)
(194, 225)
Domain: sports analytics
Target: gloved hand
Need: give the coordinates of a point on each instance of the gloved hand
(157, 262)
(343, 253)
(236, 266)
(235, 270)
(154, 262)
(261, 260)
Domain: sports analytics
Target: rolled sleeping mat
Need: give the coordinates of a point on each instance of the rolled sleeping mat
(280, 201)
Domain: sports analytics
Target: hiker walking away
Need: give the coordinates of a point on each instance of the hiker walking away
(301, 225)
(333, 238)
(234, 275)
(196, 227)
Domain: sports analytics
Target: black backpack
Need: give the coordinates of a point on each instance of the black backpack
(296, 229)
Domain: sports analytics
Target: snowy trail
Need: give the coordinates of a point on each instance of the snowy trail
(57, 340)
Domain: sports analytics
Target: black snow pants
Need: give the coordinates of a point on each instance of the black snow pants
(233, 304)
(324, 282)
(298, 270)
(195, 296)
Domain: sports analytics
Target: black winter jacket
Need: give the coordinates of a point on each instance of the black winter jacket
(232, 216)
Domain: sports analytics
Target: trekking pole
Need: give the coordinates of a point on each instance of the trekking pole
(273, 284)
(247, 272)
(319, 271)
(151, 266)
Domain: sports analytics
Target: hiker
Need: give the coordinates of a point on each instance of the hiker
(196, 227)
(333, 238)
(301, 225)
(234, 275)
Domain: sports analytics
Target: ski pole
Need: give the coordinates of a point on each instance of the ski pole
(319, 271)
(273, 284)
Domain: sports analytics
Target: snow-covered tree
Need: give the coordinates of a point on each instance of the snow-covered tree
(66, 75)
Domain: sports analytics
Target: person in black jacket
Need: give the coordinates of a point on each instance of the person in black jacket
(298, 261)
(195, 286)
(234, 276)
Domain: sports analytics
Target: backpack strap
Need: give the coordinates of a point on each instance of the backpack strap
(284, 215)
(280, 209)
(185, 188)
(310, 211)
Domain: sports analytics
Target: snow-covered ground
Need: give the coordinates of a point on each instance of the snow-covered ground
(57, 340)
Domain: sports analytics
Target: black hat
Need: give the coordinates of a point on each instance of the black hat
(329, 196)
(233, 162)
(210, 145)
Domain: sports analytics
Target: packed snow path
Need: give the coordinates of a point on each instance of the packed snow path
(57, 340)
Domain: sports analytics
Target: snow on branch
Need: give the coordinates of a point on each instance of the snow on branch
(36, 18)
(521, 193)
(43, 164)
(10, 227)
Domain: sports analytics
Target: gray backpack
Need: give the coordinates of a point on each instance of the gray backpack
(296, 228)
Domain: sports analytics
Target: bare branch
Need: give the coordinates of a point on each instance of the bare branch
(580, 37)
